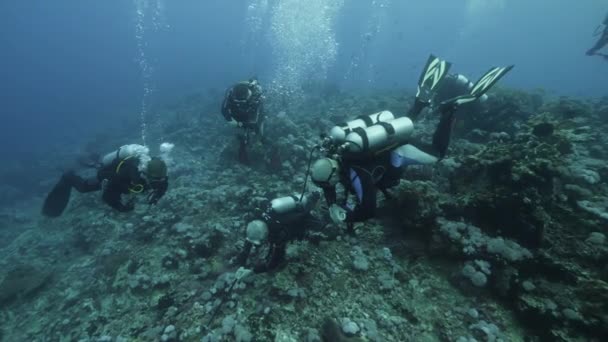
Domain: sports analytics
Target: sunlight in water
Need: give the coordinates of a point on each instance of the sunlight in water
(304, 45)
(360, 67)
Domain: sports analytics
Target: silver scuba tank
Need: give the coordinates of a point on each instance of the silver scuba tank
(338, 133)
(284, 209)
(379, 136)
(289, 209)
(283, 205)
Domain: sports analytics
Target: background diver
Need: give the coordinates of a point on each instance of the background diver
(602, 31)
(128, 170)
(369, 153)
(243, 103)
(286, 219)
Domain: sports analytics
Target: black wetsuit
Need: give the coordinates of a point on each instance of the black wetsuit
(364, 179)
(248, 113)
(121, 177)
(452, 87)
(279, 235)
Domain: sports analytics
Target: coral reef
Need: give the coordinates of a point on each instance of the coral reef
(504, 240)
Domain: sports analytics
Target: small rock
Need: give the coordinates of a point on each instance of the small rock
(349, 327)
(528, 285)
(473, 313)
(596, 238)
(571, 315)
(543, 129)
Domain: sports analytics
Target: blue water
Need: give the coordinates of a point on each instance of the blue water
(70, 68)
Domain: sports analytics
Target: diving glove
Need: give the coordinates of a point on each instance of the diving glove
(337, 214)
(153, 197)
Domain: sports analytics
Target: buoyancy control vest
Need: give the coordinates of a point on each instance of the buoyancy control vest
(339, 132)
(126, 151)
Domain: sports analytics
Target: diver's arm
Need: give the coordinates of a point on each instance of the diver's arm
(242, 258)
(113, 199)
(158, 191)
(260, 110)
(226, 107)
(308, 202)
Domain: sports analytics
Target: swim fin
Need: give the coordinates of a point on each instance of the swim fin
(488, 80)
(479, 89)
(57, 200)
(433, 73)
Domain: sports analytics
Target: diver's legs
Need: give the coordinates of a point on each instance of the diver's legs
(603, 41)
(243, 156)
(81, 184)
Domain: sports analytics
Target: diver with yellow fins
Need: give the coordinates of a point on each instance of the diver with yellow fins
(128, 170)
(369, 153)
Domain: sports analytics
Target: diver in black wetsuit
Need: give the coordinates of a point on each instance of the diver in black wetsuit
(286, 219)
(129, 170)
(243, 103)
(369, 153)
(363, 178)
(602, 41)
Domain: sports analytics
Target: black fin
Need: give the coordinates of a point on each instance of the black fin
(433, 73)
(57, 200)
(488, 80)
(479, 89)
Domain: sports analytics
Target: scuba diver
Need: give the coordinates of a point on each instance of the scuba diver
(286, 219)
(128, 170)
(243, 103)
(366, 160)
(601, 30)
(369, 153)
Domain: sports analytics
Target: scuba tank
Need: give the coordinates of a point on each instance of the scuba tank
(125, 151)
(379, 136)
(338, 133)
(288, 209)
